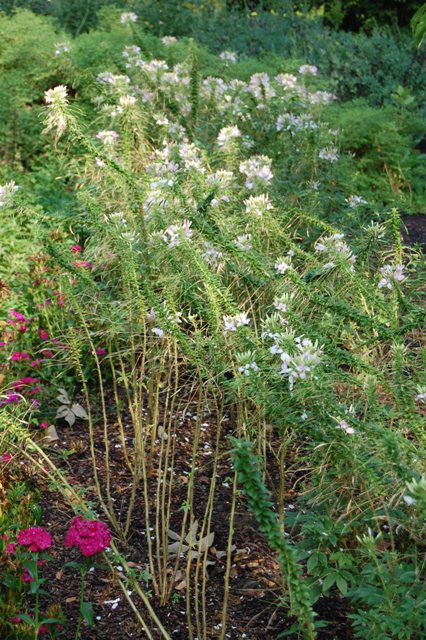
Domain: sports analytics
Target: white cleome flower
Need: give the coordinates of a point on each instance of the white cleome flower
(390, 275)
(308, 70)
(174, 235)
(232, 323)
(258, 205)
(257, 169)
(343, 425)
(128, 17)
(227, 136)
(228, 56)
(57, 101)
(6, 193)
(108, 138)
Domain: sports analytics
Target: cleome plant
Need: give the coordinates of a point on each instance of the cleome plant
(235, 322)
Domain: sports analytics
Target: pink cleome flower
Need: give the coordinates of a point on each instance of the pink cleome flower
(35, 538)
(90, 536)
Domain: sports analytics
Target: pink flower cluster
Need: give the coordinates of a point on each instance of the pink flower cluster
(35, 538)
(90, 536)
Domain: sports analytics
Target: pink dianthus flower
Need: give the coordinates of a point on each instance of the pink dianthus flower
(35, 538)
(90, 536)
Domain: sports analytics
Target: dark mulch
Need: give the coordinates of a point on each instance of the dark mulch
(254, 611)
(415, 230)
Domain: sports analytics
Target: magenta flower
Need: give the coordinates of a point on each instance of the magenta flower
(44, 335)
(18, 316)
(6, 457)
(43, 425)
(10, 548)
(100, 351)
(47, 353)
(11, 397)
(90, 536)
(76, 248)
(19, 355)
(35, 538)
(83, 264)
(26, 576)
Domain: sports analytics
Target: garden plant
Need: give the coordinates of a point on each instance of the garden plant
(212, 389)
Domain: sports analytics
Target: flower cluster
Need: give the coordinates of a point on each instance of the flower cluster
(61, 48)
(335, 247)
(6, 193)
(90, 536)
(168, 40)
(308, 70)
(128, 17)
(390, 275)
(57, 100)
(257, 169)
(232, 323)
(329, 153)
(356, 201)
(35, 538)
(258, 205)
(227, 135)
(343, 425)
(108, 138)
(177, 233)
(228, 56)
(301, 364)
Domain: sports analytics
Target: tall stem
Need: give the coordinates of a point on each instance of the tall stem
(83, 580)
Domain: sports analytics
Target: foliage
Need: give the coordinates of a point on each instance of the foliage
(224, 245)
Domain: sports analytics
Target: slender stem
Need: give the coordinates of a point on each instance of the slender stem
(36, 598)
(83, 580)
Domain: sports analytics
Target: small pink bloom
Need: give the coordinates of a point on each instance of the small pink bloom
(43, 425)
(47, 353)
(100, 351)
(17, 315)
(10, 548)
(35, 538)
(76, 248)
(19, 355)
(36, 363)
(26, 576)
(90, 536)
(83, 264)
(44, 335)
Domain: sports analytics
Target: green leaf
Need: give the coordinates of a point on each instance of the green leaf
(73, 565)
(312, 562)
(86, 611)
(342, 585)
(328, 581)
(51, 621)
(26, 618)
